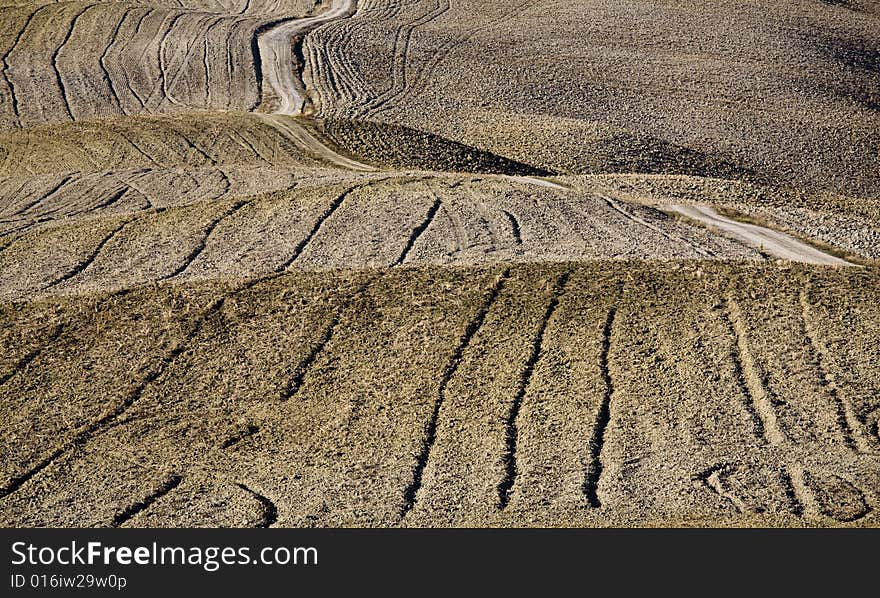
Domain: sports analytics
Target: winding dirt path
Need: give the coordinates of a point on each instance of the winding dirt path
(530, 180)
(769, 241)
(293, 130)
(276, 55)
(280, 73)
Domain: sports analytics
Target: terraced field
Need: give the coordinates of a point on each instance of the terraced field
(439, 263)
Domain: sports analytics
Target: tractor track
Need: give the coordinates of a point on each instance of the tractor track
(509, 458)
(410, 494)
(145, 503)
(603, 418)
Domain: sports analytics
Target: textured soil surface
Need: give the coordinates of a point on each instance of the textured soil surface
(552, 394)
(439, 262)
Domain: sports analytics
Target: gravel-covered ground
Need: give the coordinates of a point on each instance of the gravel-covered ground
(781, 92)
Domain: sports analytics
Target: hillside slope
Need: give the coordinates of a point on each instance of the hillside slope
(439, 263)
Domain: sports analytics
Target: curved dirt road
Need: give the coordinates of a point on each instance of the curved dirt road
(276, 58)
(294, 131)
(530, 180)
(276, 55)
(767, 240)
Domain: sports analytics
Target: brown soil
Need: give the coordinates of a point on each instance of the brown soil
(413, 265)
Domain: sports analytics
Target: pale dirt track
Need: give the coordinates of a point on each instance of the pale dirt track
(308, 141)
(276, 54)
(769, 241)
(534, 181)
(280, 72)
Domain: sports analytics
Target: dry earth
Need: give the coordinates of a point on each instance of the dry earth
(439, 262)
(554, 394)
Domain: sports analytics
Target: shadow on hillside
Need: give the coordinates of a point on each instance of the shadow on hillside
(401, 147)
